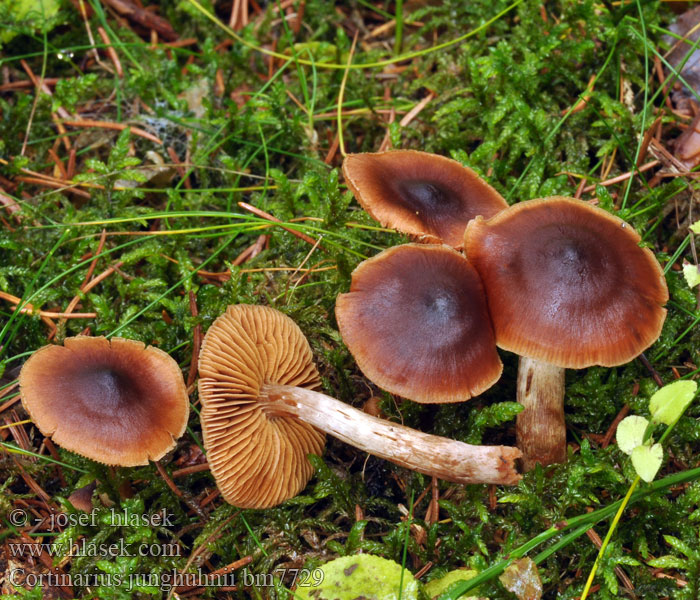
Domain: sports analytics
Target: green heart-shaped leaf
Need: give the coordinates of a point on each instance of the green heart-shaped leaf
(630, 433)
(692, 274)
(647, 461)
(669, 403)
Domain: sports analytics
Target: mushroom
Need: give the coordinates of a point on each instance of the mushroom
(261, 416)
(82, 497)
(417, 323)
(427, 196)
(115, 401)
(568, 287)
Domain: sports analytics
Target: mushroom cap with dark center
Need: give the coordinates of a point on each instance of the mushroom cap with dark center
(258, 458)
(425, 195)
(567, 283)
(114, 401)
(416, 322)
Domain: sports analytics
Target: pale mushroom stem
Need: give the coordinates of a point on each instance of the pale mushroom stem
(428, 454)
(540, 427)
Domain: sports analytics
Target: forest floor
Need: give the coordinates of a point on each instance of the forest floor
(130, 136)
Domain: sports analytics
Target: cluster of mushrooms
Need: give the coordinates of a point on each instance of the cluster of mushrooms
(558, 281)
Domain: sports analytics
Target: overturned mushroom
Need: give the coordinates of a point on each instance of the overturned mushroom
(568, 287)
(261, 417)
(115, 401)
(427, 196)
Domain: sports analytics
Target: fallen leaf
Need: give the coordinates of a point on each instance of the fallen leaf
(359, 576)
(523, 580)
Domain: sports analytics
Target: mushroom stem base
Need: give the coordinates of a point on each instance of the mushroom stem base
(429, 454)
(540, 427)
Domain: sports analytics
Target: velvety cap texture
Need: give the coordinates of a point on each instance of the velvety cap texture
(427, 196)
(115, 401)
(416, 322)
(258, 458)
(567, 283)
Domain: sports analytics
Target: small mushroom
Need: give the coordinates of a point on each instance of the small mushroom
(82, 497)
(261, 417)
(417, 323)
(115, 401)
(568, 287)
(427, 196)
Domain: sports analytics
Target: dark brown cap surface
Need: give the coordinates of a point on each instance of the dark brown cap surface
(114, 401)
(567, 283)
(416, 322)
(258, 459)
(427, 196)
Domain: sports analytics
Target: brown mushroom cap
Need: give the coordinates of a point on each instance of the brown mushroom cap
(567, 283)
(257, 457)
(425, 195)
(416, 322)
(114, 401)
